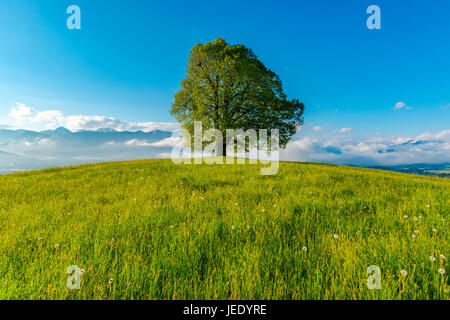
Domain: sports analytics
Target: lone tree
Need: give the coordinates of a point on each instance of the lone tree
(227, 87)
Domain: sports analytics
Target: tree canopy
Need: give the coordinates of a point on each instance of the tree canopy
(227, 87)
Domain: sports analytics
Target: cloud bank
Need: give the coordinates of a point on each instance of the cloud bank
(371, 151)
(101, 138)
(26, 117)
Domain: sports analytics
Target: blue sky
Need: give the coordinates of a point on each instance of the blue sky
(129, 58)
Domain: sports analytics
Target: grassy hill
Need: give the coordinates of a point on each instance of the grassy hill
(154, 230)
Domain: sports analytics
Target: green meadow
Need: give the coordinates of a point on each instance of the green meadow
(154, 230)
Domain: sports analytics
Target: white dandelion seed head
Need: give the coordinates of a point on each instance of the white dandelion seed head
(434, 230)
(305, 249)
(416, 231)
(441, 271)
(403, 273)
(433, 258)
(336, 236)
(56, 246)
(442, 257)
(232, 227)
(415, 218)
(405, 216)
(262, 210)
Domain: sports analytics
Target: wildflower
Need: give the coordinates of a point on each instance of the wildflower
(110, 281)
(413, 236)
(39, 239)
(56, 246)
(415, 218)
(441, 271)
(305, 249)
(262, 210)
(405, 216)
(432, 258)
(442, 257)
(403, 273)
(274, 205)
(420, 217)
(82, 271)
(336, 236)
(232, 227)
(434, 230)
(416, 231)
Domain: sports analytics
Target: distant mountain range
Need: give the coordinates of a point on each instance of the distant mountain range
(81, 137)
(25, 149)
(429, 169)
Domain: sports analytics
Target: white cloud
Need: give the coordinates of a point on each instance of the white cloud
(400, 105)
(169, 142)
(76, 123)
(425, 148)
(317, 128)
(343, 130)
(24, 116)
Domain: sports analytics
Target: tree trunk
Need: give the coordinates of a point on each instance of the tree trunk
(221, 150)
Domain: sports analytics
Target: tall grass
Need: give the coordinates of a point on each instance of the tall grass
(154, 230)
